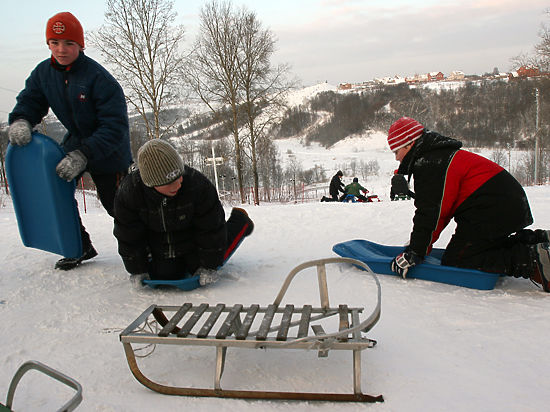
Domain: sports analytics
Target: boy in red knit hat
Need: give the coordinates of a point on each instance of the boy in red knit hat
(488, 204)
(91, 105)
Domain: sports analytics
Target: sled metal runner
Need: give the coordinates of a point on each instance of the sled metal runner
(278, 327)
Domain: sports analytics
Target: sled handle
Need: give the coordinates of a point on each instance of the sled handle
(364, 326)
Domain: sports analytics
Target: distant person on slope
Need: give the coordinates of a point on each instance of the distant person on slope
(91, 105)
(336, 186)
(355, 189)
(489, 206)
(169, 221)
(400, 188)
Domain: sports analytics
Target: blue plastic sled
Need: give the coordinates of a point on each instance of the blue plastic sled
(378, 258)
(44, 204)
(183, 284)
(189, 283)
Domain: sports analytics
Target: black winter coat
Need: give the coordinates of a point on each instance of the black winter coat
(336, 185)
(399, 186)
(189, 227)
(483, 198)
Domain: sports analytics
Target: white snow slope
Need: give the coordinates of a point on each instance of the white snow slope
(440, 347)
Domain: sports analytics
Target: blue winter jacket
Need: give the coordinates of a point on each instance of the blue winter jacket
(91, 105)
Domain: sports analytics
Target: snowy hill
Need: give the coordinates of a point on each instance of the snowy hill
(440, 347)
(302, 95)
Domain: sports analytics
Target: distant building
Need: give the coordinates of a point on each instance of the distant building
(456, 75)
(528, 71)
(435, 76)
(417, 78)
(344, 86)
(524, 72)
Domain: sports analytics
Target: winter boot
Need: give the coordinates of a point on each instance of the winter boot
(541, 274)
(241, 214)
(543, 236)
(71, 263)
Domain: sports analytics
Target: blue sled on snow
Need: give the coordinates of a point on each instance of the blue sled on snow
(187, 284)
(378, 257)
(183, 284)
(44, 204)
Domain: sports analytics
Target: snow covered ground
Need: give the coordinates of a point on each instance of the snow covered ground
(440, 347)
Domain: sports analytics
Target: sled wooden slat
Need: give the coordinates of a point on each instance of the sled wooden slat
(304, 321)
(285, 322)
(186, 329)
(247, 322)
(232, 326)
(174, 320)
(209, 324)
(343, 311)
(318, 330)
(266, 322)
(231, 322)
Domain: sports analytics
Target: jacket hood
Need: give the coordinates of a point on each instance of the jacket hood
(429, 141)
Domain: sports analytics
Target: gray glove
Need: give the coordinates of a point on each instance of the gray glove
(71, 165)
(19, 132)
(207, 276)
(137, 280)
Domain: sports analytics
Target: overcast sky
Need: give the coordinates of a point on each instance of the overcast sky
(322, 40)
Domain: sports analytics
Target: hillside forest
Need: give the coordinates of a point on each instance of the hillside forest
(500, 115)
(488, 114)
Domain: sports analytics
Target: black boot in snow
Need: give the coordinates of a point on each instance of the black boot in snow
(541, 275)
(71, 263)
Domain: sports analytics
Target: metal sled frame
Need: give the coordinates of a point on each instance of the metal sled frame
(234, 332)
(27, 366)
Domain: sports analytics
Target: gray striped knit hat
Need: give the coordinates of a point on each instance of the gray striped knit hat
(158, 163)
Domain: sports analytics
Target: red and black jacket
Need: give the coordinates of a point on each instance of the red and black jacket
(482, 197)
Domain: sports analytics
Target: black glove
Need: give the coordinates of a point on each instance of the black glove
(71, 165)
(401, 263)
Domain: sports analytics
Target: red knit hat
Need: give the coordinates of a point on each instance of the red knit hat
(403, 132)
(65, 26)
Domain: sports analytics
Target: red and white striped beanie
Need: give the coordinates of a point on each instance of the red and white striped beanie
(403, 132)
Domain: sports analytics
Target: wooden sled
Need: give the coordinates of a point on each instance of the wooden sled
(30, 365)
(290, 331)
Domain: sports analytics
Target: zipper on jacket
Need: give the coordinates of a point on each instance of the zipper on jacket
(70, 104)
(171, 252)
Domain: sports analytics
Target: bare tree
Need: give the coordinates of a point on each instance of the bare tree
(211, 71)
(263, 85)
(542, 49)
(541, 56)
(143, 47)
(230, 68)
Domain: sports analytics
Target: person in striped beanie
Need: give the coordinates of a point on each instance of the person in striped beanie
(488, 204)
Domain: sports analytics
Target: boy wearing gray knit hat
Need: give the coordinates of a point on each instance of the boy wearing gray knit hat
(158, 163)
(169, 221)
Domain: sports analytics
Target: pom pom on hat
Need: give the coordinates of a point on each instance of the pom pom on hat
(404, 131)
(65, 26)
(158, 163)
